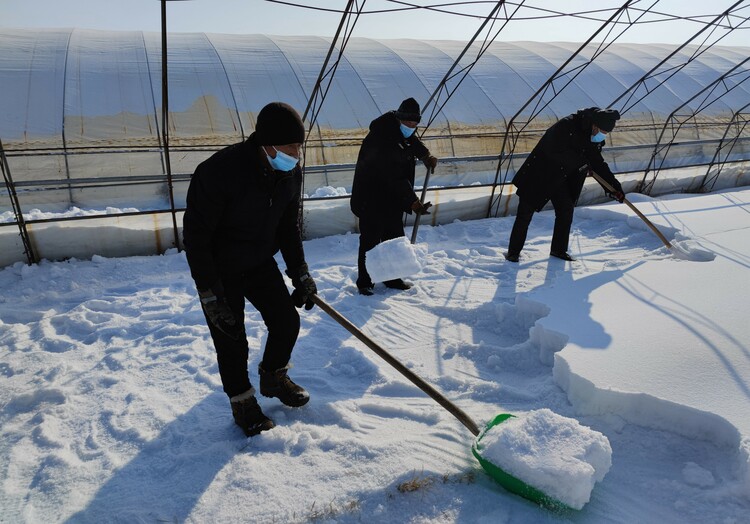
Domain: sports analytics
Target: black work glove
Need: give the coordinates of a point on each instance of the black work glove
(218, 313)
(420, 208)
(430, 162)
(617, 195)
(304, 287)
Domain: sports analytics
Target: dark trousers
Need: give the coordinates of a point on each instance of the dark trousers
(563, 204)
(373, 230)
(266, 290)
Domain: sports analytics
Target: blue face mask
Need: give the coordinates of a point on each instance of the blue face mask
(406, 130)
(282, 162)
(599, 137)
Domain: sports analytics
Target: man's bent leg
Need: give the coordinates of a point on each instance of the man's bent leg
(231, 355)
(520, 228)
(564, 206)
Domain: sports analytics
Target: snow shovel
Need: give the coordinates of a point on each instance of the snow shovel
(695, 255)
(606, 185)
(421, 199)
(506, 480)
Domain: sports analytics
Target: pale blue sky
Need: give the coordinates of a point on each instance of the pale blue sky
(259, 16)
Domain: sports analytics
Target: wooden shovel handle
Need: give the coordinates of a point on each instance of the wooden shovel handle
(421, 199)
(606, 185)
(382, 353)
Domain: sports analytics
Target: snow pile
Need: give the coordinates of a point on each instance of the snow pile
(395, 258)
(695, 475)
(686, 248)
(37, 214)
(554, 454)
(328, 192)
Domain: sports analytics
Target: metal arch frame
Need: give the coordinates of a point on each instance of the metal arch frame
(317, 97)
(513, 132)
(313, 104)
(434, 105)
(676, 122)
(165, 120)
(673, 70)
(10, 186)
(734, 122)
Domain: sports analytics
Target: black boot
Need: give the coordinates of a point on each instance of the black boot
(562, 255)
(248, 415)
(397, 283)
(278, 384)
(366, 290)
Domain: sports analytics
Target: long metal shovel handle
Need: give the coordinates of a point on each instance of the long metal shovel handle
(382, 353)
(421, 199)
(606, 185)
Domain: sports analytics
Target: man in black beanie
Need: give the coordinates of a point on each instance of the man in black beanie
(383, 186)
(556, 170)
(242, 207)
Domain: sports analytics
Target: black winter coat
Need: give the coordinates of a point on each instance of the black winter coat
(559, 158)
(239, 214)
(384, 175)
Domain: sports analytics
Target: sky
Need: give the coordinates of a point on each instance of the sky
(111, 407)
(532, 21)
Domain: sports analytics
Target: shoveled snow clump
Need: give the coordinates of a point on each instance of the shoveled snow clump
(395, 258)
(554, 454)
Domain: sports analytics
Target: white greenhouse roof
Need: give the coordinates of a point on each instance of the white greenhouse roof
(74, 86)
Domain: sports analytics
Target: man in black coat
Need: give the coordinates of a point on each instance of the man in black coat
(242, 207)
(383, 186)
(556, 170)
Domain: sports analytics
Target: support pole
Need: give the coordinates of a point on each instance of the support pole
(17, 211)
(318, 95)
(165, 120)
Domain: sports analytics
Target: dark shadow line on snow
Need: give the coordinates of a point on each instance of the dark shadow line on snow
(673, 314)
(170, 473)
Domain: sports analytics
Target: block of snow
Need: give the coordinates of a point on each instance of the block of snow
(554, 454)
(688, 249)
(395, 258)
(697, 476)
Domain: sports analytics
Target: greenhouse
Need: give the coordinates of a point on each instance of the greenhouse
(85, 162)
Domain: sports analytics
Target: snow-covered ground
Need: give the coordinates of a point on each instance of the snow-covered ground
(111, 407)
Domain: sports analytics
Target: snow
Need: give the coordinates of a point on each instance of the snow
(328, 192)
(554, 454)
(395, 258)
(37, 214)
(111, 407)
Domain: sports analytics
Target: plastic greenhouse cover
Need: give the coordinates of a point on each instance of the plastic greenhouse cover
(106, 85)
(32, 76)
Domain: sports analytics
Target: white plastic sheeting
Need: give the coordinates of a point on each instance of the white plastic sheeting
(80, 86)
(81, 112)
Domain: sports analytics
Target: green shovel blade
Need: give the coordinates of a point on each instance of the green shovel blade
(507, 480)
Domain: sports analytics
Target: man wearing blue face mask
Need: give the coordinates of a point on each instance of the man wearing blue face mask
(242, 208)
(383, 186)
(555, 171)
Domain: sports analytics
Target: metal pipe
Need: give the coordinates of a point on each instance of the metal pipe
(165, 119)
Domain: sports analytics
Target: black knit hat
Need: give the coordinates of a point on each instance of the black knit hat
(408, 110)
(605, 119)
(279, 124)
